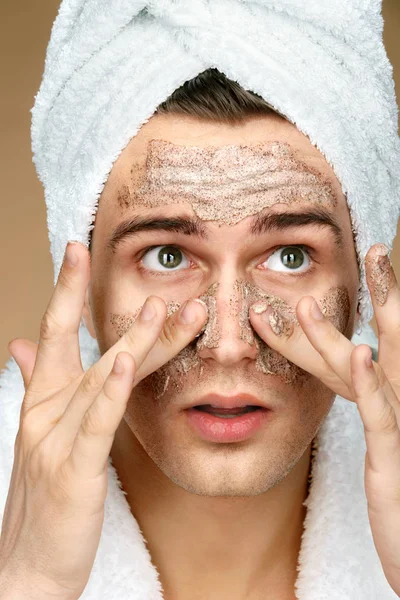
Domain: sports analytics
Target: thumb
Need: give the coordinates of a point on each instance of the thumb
(24, 353)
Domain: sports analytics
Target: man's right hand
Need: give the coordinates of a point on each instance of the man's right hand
(55, 505)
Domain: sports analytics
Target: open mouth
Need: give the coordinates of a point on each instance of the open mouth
(227, 413)
(217, 424)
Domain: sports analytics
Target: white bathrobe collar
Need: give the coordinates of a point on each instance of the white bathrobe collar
(337, 559)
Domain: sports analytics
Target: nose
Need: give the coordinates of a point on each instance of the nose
(228, 336)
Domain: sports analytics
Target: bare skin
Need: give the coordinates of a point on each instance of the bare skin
(221, 520)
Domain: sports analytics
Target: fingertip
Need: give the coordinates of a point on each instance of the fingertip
(360, 355)
(124, 364)
(119, 366)
(159, 304)
(10, 346)
(304, 305)
(128, 360)
(260, 311)
(17, 348)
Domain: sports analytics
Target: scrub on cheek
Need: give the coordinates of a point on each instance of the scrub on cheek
(251, 294)
(381, 274)
(335, 305)
(188, 358)
(121, 323)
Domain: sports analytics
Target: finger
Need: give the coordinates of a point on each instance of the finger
(169, 336)
(178, 331)
(327, 340)
(376, 400)
(385, 296)
(137, 341)
(24, 353)
(287, 337)
(95, 437)
(58, 358)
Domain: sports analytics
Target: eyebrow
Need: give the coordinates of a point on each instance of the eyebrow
(193, 226)
(283, 221)
(135, 225)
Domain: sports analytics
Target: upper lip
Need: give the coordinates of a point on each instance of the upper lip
(228, 401)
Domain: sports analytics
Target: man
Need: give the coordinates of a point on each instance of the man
(250, 219)
(224, 490)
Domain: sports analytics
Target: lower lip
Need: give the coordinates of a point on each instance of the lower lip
(218, 429)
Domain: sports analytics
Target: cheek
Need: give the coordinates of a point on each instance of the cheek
(115, 304)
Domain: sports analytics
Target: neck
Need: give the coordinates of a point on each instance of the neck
(225, 546)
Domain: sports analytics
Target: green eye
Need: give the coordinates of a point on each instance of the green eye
(292, 257)
(170, 257)
(165, 258)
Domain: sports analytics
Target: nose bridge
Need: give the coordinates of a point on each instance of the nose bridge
(229, 305)
(228, 337)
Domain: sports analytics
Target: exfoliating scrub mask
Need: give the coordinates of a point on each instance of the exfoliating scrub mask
(381, 274)
(335, 305)
(225, 184)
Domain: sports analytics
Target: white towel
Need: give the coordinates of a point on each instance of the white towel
(337, 559)
(321, 63)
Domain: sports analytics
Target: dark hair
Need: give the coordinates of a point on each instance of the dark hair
(211, 96)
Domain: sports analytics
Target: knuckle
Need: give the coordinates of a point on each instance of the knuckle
(61, 490)
(50, 327)
(380, 374)
(168, 333)
(92, 381)
(92, 422)
(334, 334)
(65, 279)
(131, 336)
(387, 419)
(381, 379)
(30, 425)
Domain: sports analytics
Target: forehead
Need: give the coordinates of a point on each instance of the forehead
(188, 131)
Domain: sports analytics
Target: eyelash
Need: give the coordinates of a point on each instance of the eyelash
(306, 249)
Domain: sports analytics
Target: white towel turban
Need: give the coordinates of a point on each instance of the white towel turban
(321, 63)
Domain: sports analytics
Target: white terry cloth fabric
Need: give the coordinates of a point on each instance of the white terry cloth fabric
(321, 63)
(337, 559)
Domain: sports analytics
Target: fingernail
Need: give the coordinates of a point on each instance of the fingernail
(148, 311)
(316, 312)
(382, 250)
(71, 256)
(262, 309)
(368, 360)
(202, 330)
(188, 313)
(118, 367)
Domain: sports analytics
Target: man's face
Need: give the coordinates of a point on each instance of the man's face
(227, 180)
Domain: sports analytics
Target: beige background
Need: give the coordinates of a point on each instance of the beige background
(26, 272)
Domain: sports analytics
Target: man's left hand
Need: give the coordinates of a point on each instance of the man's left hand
(348, 370)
